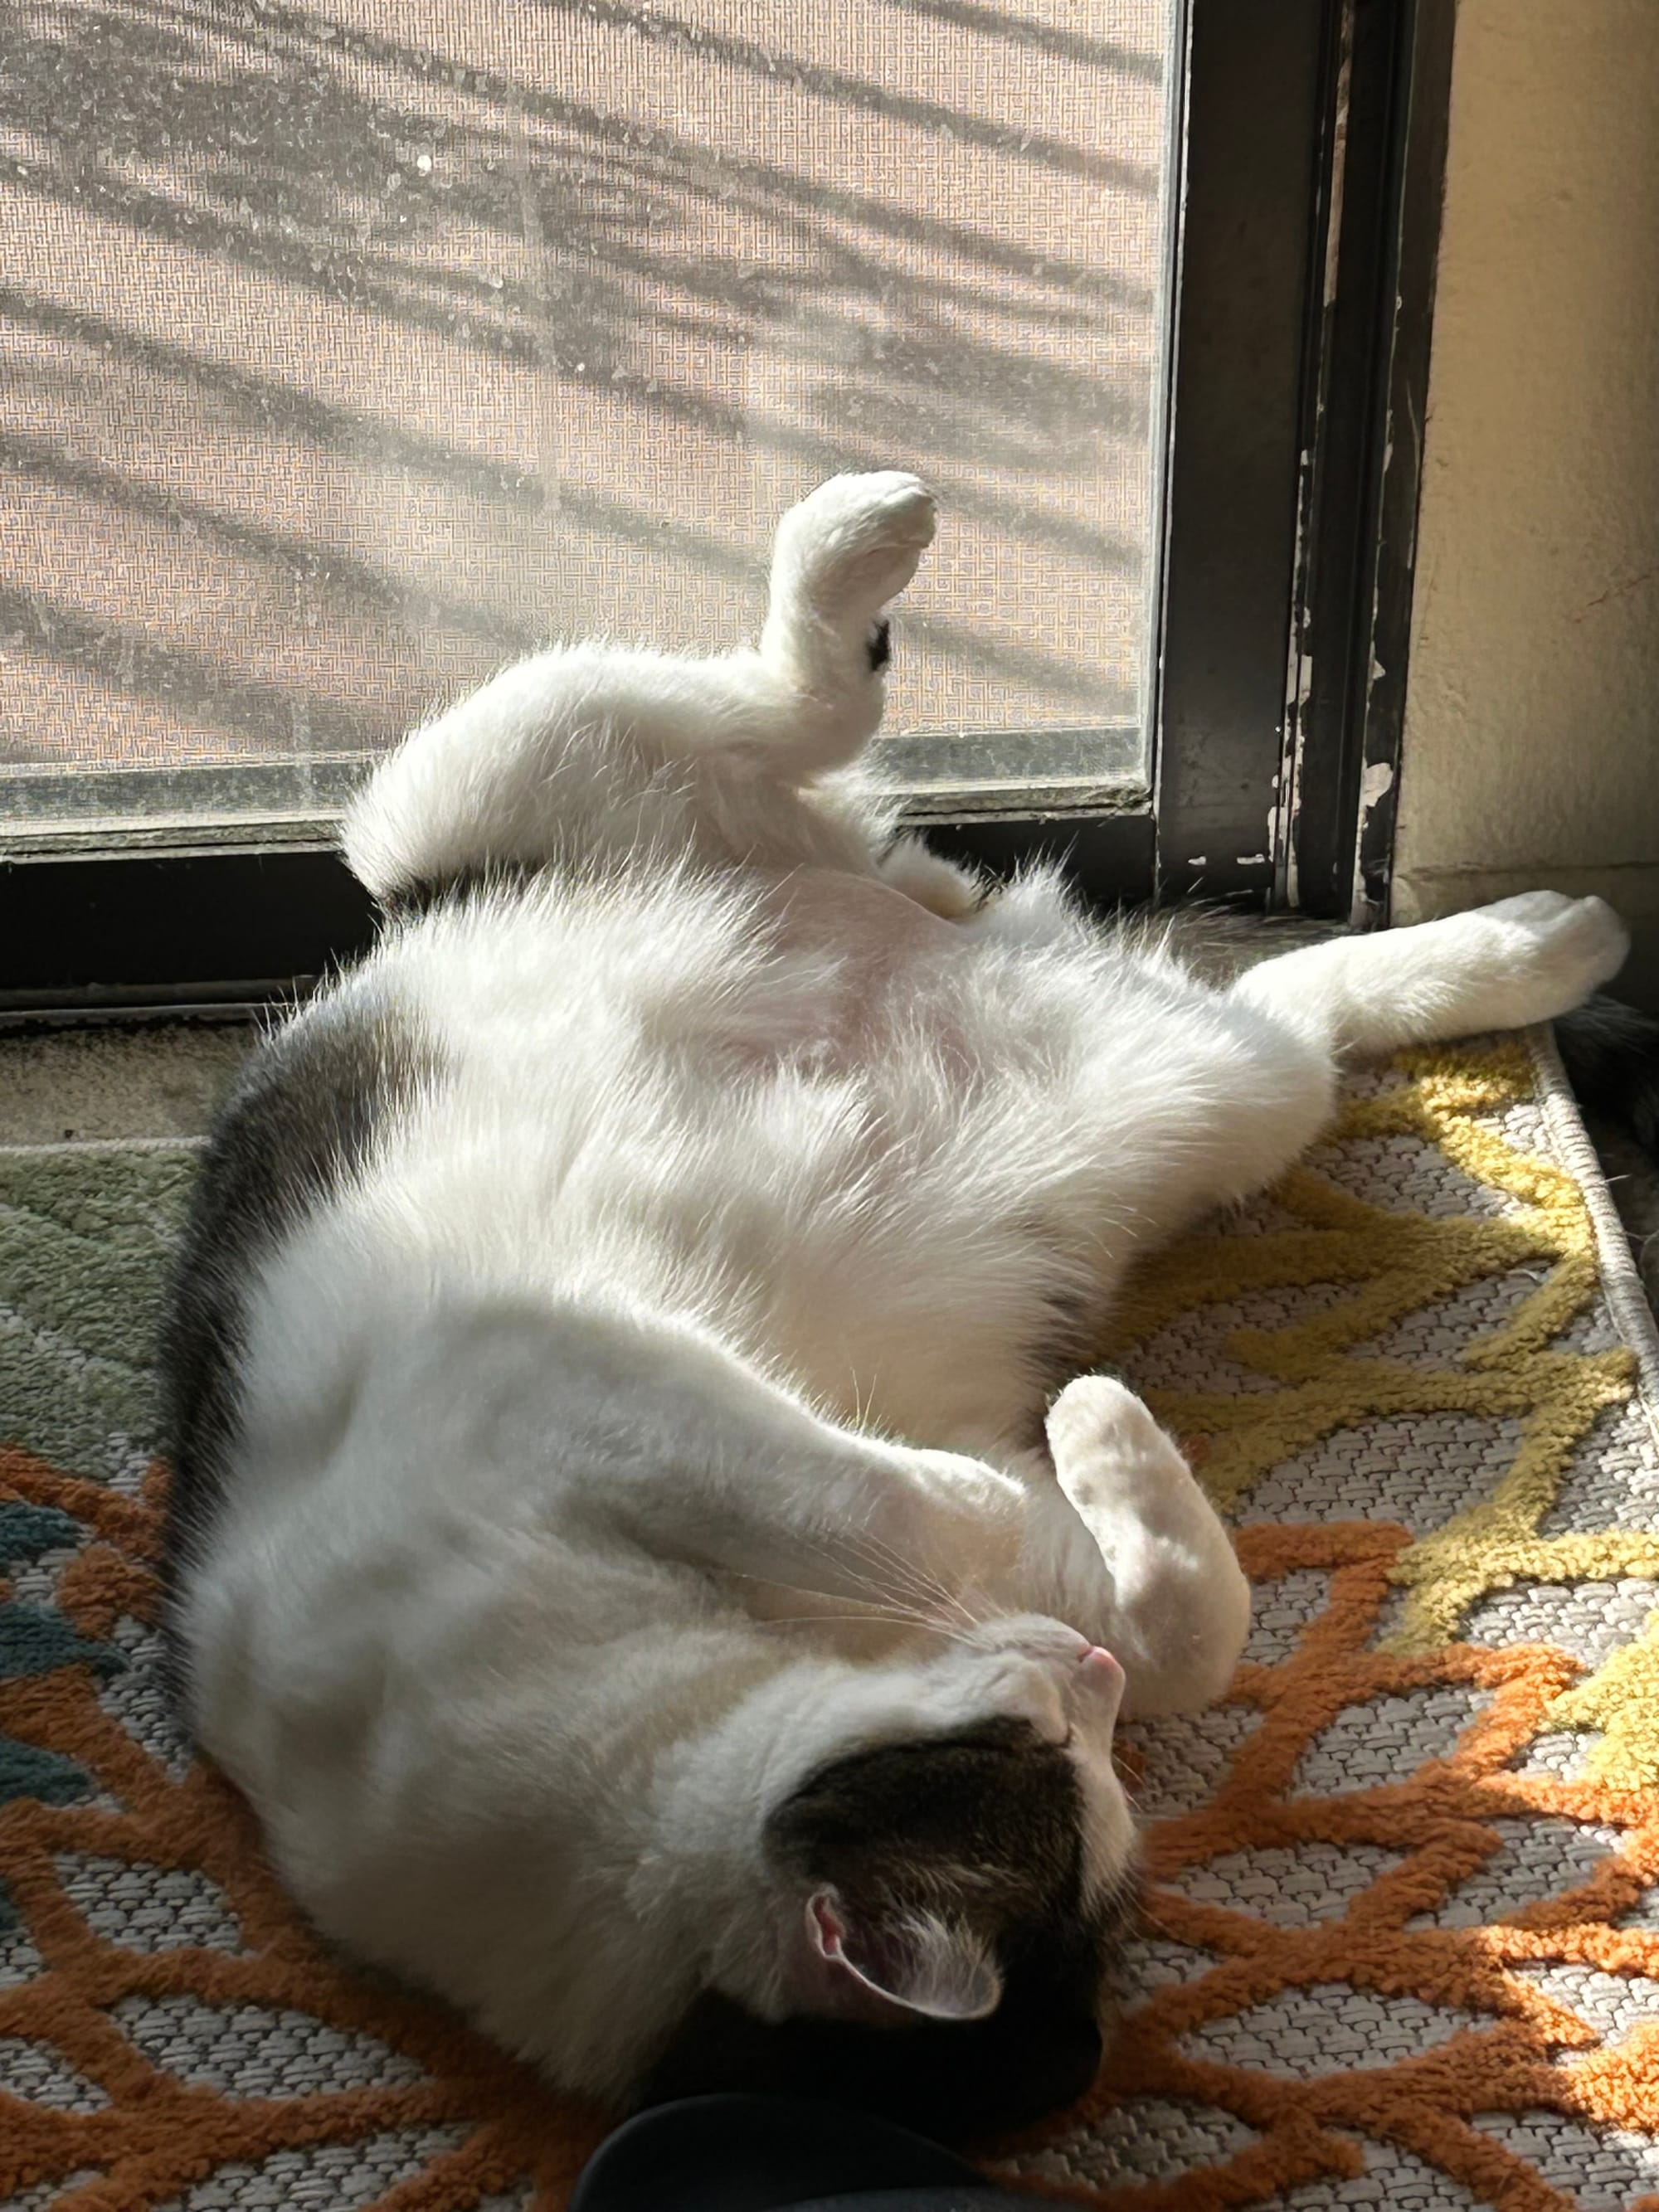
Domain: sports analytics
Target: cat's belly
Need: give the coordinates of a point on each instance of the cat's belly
(874, 927)
(886, 959)
(892, 1156)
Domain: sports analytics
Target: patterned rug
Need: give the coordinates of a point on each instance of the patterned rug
(1403, 1913)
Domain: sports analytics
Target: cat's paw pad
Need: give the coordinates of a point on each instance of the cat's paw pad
(1096, 1411)
(853, 544)
(1560, 949)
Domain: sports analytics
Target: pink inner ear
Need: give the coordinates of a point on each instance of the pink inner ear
(845, 1989)
(831, 1936)
(825, 1927)
(894, 1982)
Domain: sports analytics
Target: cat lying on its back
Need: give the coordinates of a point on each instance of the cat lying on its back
(626, 1543)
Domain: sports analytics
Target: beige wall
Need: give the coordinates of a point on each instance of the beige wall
(1532, 735)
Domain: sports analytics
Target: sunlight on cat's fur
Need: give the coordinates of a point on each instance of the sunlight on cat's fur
(627, 1544)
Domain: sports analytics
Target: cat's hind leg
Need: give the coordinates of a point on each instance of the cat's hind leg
(590, 749)
(840, 558)
(1524, 960)
(1260, 1060)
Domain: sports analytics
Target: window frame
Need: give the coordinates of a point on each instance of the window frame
(1312, 146)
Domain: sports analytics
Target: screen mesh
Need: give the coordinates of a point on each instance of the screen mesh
(346, 353)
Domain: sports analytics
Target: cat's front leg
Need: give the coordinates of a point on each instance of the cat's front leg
(1173, 1604)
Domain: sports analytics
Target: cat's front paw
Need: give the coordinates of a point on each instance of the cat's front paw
(1180, 1602)
(854, 545)
(1100, 1434)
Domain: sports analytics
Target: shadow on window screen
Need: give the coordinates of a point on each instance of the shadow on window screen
(347, 353)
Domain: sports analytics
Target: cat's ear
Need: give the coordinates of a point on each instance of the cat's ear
(914, 1962)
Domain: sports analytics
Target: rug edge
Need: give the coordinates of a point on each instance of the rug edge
(1621, 1283)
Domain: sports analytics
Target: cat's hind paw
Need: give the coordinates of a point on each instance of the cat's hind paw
(1560, 950)
(851, 545)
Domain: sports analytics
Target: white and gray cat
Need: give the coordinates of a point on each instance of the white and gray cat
(626, 1542)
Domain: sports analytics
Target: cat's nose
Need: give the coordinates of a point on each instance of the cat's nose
(1100, 1671)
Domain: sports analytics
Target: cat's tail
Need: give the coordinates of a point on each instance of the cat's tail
(1611, 1053)
(577, 751)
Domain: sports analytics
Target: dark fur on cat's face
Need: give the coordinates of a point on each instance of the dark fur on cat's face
(987, 1829)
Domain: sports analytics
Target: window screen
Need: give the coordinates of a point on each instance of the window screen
(347, 354)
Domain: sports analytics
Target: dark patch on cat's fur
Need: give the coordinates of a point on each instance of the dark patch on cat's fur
(901, 1827)
(1611, 1053)
(881, 645)
(299, 1120)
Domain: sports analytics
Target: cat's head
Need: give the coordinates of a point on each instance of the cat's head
(947, 1869)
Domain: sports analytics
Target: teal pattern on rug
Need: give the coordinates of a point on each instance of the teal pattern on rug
(87, 1235)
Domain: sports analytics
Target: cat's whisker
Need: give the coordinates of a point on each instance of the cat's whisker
(921, 1582)
(901, 1579)
(884, 1569)
(842, 1619)
(884, 1607)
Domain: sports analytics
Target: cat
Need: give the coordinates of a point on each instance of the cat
(639, 1537)
(1611, 1054)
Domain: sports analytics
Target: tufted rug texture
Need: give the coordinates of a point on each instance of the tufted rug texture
(1402, 1915)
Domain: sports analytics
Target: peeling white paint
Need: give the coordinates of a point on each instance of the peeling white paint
(1376, 782)
(1342, 105)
